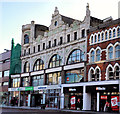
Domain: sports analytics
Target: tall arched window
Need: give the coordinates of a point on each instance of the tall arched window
(76, 56)
(26, 67)
(106, 35)
(98, 55)
(110, 52)
(92, 56)
(95, 38)
(118, 32)
(117, 73)
(92, 75)
(97, 75)
(110, 34)
(102, 36)
(117, 51)
(114, 33)
(92, 39)
(26, 39)
(55, 61)
(98, 37)
(39, 65)
(110, 73)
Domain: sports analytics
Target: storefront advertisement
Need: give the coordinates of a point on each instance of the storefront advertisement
(29, 88)
(114, 103)
(73, 102)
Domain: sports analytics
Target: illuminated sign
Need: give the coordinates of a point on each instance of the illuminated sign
(100, 88)
(70, 89)
(104, 97)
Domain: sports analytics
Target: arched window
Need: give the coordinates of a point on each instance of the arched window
(110, 73)
(76, 56)
(26, 67)
(92, 75)
(117, 73)
(106, 35)
(92, 39)
(98, 55)
(102, 36)
(26, 39)
(55, 61)
(110, 52)
(114, 34)
(118, 32)
(110, 34)
(117, 51)
(92, 56)
(95, 38)
(97, 75)
(39, 65)
(98, 37)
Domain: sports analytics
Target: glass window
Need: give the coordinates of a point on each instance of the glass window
(55, 42)
(16, 82)
(25, 81)
(55, 61)
(92, 56)
(110, 53)
(95, 38)
(6, 73)
(61, 40)
(37, 80)
(38, 48)
(118, 32)
(117, 73)
(83, 33)
(5, 83)
(106, 35)
(76, 56)
(75, 35)
(68, 38)
(53, 78)
(26, 67)
(114, 33)
(98, 55)
(117, 51)
(1, 74)
(34, 49)
(110, 34)
(102, 36)
(26, 39)
(111, 76)
(97, 76)
(43, 46)
(39, 65)
(98, 37)
(73, 76)
(92, 75)
(92, 39)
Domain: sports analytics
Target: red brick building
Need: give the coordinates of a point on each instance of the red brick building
(103, 64)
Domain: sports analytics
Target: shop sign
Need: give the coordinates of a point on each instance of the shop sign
(104, 97)
(42, 87)
(71, 89)
(114, 103)
(13, 89)
(67, 78)
(28, 88)
(100, 88)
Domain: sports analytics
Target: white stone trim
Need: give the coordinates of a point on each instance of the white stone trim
(15, 76)
(53, 70)
(89, 73)
(37, 72)
(24, 74)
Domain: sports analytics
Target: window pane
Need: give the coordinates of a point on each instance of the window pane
(0, 74)
(6, 73)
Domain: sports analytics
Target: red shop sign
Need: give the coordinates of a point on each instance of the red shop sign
(67, 78)
(104, 97)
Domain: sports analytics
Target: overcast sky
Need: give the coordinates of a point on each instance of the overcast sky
(15, 13)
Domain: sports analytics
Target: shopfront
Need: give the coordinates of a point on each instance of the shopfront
(108, 97)
(73, 97)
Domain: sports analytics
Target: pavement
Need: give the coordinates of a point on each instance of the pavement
(54, 110)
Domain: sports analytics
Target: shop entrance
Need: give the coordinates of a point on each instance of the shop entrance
(94, 102)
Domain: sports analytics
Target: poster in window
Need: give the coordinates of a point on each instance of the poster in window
(114, 103)
(72, 102)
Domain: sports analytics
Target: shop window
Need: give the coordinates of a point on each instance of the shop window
(74, 76)
(117, 72)
(26, 67)
(68, 38)
(110, 72)
(102, 36)
(76, 56)
(117, 51)
(118, 32)
(95, 38)
(114, 33)
(92, 56)
(37, 80)
(38, 48)
(26, 39)
(110, 34)
(106, 35)
(98, 37)
(92, 75)
(75, 35)
(0, 74)
(39, 65)
(92, 39)
(110, 52)
(98, 55)
(53, 78)
(16, 82)
(6, 73)
(55, 61)
(25, 81)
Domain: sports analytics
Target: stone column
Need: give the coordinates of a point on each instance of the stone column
(62, 99)
(98, 101)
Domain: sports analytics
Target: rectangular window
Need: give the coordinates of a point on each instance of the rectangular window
(75, 35)
(29, 51)
(61, 40)
(1, 74)
(24, 52)
(5, 83)
(68, 38)
(25, 81)
(83, 33)
(37, 80)
(38, 48)
(16, 82)
(43, 46)
(6, 73)
(49, 44)
(34, 49)
(54, 42)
